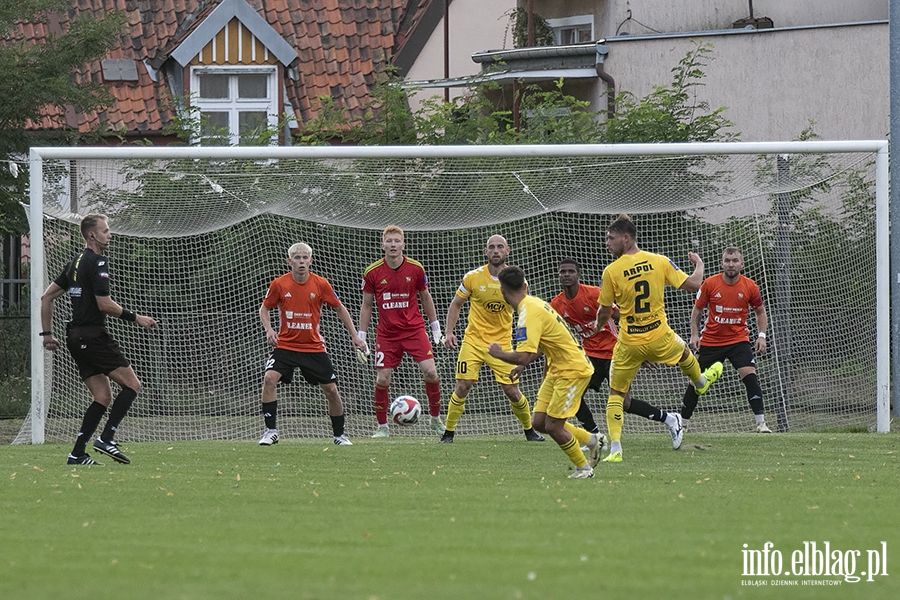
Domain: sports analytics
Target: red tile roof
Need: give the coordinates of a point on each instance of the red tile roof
(341, 44)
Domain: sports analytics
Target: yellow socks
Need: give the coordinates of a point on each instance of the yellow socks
(690, 367)
(573, 451)
(583, 436)
(615, 415)
(455, 409)
(521, 410)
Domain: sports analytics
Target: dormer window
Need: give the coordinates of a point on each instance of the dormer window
(234, 104)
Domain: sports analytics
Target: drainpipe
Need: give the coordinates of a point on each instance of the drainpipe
(602, 51)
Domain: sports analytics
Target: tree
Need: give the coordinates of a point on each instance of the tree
(671, 113)
(38, 76)
(548, 115)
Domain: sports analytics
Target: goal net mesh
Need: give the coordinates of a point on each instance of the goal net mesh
(197, 242)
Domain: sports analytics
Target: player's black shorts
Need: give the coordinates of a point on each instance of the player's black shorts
(740, 355)
(316, 367)
(601, 372)
(94, 350)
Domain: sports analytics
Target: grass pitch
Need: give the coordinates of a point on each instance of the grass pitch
(485, 517)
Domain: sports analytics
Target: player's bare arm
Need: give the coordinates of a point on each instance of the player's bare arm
(266, 320)
(762, 323)
(431, 314)
(604, 313)
(450, 340)
(52, 293)
(692, 283)
(365, 314)
(112, 308)
(512, 357)
(696, 312)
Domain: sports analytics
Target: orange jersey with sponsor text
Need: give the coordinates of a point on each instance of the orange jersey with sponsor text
(728, 307)
(300, 306)
(581, 313)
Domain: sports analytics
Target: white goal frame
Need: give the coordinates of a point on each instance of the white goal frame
(882, 216)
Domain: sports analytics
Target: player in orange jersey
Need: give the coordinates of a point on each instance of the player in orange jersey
(299, 296)
(728, 298)
(397, 283)
(578, 304)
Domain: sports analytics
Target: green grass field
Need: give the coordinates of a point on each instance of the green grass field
(489, 517)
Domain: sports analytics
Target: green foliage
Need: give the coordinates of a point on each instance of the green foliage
(541, 30)
(671, 113)
(548, 115)
(38, 76)
(15, 361)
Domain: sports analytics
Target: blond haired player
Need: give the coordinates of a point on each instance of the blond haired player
(396, 284)
(636, 281)
(567, 375)
(299, 296)
(490, 320)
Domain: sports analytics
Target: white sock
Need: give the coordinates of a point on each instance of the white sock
(615, 447)
(760, 419)
(701, 383)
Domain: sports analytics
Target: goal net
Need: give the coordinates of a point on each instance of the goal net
(199, 233)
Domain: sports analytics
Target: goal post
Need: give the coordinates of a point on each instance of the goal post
(199, 232)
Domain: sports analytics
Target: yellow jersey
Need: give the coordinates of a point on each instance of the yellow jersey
(636, 283)
(539, 325)
(490, 317)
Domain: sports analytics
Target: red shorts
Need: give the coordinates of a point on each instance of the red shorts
(389, 351)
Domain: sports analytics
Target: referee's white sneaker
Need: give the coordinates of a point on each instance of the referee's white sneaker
(269, 438)
(341, 440)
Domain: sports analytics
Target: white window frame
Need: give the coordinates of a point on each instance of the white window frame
(234, 105)
(567, 23)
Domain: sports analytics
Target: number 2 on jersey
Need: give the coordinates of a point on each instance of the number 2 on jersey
(642, 292)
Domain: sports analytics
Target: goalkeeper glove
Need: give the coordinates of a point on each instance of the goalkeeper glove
(436, 334)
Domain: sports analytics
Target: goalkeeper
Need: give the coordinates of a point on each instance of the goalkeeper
(397, 283)
(490, 320)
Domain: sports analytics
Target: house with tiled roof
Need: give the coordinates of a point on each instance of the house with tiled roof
(241, 63)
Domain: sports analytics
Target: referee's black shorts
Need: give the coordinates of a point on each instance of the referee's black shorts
(94, 351)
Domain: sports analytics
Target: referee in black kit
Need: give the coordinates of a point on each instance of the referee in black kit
(97, 354)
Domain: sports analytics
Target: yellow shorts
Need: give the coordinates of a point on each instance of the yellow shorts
(560, 397)
(470, 359)
(627, 359)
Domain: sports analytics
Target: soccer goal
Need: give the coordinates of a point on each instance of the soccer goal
(198, 234)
